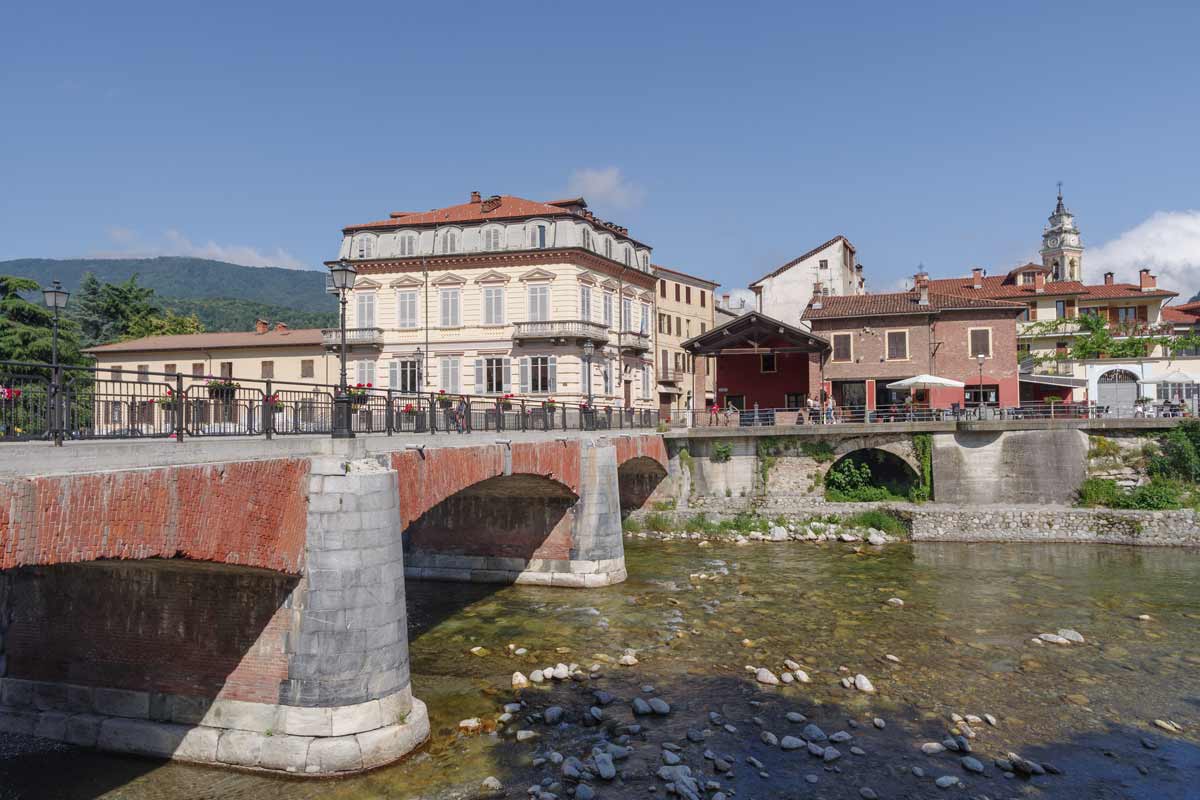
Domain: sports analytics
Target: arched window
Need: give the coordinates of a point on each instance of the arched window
(628, 256)
(408, 244)
(587, 238)
(537, 236)
(491, 239)
(607, 248)
(366, 246)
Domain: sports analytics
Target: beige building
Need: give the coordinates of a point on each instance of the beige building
(503, 295)
(686, 308)
(278, 354)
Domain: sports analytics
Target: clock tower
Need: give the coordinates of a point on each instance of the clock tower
(1062, 251)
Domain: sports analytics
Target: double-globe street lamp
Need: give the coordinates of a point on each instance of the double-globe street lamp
(342, 274)
(55, 299)
(588, 349)
(979, 359)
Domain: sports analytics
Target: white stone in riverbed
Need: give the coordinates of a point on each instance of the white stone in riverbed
(1053, 638)
(561, 672)
(764, 675)
(792, 665)
(537, 676)
(863, 683)
(892, 658)
(1071, 635)
(895, 601)
(932, 748)
(472, 725)
(779, 534)
(628, 660)
(787, 677)
(990, 720)
(876, 538)
(519, 681)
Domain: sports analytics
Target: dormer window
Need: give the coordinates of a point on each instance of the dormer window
(628, 257)
(537, 237)
(587, 238)
(608, 248)
(491, 239)
(1027, 278)
(365, 248)
(450, 242)
(408, 244)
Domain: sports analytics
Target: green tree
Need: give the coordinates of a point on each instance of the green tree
(88, 310)
(165, 324)
(26, 326)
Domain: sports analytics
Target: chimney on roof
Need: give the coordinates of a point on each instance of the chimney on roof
(491, 204)
(816, 298)
(1108, 279)
(1039, 282)
(725, 300)
(977, 277)
(281, 327)
(1146, 281)
(261, 326)
(475, 198)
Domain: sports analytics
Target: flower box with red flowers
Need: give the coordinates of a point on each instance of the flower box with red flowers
(358, 393)
(444, 400)
(506, 402)
(273, 402)
(167, 403)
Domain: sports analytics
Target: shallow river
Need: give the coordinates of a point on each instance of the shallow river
(961, 644)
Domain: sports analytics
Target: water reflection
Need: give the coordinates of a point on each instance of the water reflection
(698, 616)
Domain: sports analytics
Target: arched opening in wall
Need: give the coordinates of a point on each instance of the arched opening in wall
(1117, 388)
(183, 632)
(502, 523)
(870, 474)
(637, 479)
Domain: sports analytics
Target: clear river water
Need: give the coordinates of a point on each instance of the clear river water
(698, 616)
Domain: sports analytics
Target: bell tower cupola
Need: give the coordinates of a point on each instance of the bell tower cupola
(1062, 249)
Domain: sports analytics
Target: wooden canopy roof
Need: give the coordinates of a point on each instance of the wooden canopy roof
(755, 333)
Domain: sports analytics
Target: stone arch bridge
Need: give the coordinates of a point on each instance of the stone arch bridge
(243, 603)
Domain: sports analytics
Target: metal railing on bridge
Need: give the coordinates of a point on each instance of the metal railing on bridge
(38, 402)
(841, 415)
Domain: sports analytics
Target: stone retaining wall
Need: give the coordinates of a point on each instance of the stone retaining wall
(946, 523)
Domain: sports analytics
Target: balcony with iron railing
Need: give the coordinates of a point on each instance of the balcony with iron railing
(560, 329)
(635, 341)
(355, 337)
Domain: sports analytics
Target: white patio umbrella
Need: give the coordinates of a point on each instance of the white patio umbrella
(926, 382)
(1178, 376)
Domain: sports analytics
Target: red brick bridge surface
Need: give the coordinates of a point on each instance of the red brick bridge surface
(245, 513)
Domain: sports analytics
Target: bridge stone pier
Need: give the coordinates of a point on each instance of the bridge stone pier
(243, 603)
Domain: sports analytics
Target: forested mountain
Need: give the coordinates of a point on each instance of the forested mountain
(192, 278)
(228, 314)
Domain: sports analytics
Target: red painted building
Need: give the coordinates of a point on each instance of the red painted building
(760, 361)
(877, 339)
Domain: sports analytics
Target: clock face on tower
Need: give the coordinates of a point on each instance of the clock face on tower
(1052, 241)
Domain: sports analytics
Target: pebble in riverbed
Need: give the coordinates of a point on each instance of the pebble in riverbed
(764, 675)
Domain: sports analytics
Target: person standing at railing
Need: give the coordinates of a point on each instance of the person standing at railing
(727, 412)
(830, 410)
(460, 414)
(714, 413)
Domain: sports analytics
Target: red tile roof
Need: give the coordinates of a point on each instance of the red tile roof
(1123, 290)
(499, 207)
(798, 259)
(999, 287)
(292, 337)
(872, 305)
(1185, 314)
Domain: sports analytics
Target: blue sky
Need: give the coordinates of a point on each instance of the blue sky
(730, 137)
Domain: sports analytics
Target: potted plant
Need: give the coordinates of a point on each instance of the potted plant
(273, 402)
(550, 404)
(9, 395)
(506, 402)
(167, 403)
(444, 400)
(358, 393)
(409, 410)
(222, 388)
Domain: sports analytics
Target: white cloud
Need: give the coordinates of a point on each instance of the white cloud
(606, 187)
(128, 243)
(1168, 243)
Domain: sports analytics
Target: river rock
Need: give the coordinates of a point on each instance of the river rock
(801, 676)
(769, 738)
(971, 764)
(876, 538)
(659, 706)
(537, 676)
(792, 665)
(641, 708)
(791, 743)
(519, 681)
(524, 736)
(840, 737)
(603, 698)
(796, 716)
(895, 601)
(868, 793)
(1053, 638)
(491, 784)
(479, 651)
(669, 758)
(596, 713)
(879, 723)
(561, 672)
(946, 781)
(814, 734)
(787, 677)
(932, 748)
(990, 720)
(1071, 635)
(831, 754)
(584, 792)
(764, 675)
(553, 715)
(604, 766)
(779, 534)
(863, 683)
(815, 749)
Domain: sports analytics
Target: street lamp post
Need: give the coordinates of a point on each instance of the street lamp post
(979, 359)
(56, 300)
(342, 274)
(588, 349)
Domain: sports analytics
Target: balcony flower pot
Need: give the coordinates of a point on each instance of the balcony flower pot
(222, 390)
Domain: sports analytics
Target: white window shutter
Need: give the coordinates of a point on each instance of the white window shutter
(525, 375)
(507, 375)
(553, 374)
(480, 386)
